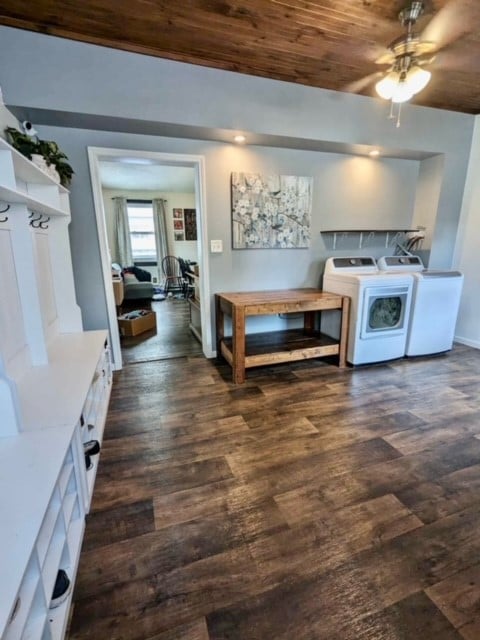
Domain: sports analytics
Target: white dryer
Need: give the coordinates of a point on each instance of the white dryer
(379, 308)
(435, 304)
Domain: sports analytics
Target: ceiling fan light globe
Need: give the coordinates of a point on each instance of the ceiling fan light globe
(386, 86)
(418, 79)
(402, 93)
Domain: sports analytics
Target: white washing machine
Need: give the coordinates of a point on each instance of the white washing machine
(379, 308)
(435, 303)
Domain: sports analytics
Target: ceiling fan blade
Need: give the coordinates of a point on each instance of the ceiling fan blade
(455, 60)
(455, 19)
(387, 57)
(357, 86)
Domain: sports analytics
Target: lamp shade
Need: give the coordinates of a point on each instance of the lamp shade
(402, 92)
(417, 78)
(386, 86)
(400, 87)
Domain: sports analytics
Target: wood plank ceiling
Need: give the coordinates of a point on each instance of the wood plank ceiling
(332, 44)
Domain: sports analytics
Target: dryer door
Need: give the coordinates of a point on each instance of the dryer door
(385, 311)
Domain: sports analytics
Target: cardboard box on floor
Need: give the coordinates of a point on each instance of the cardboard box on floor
(137, 325)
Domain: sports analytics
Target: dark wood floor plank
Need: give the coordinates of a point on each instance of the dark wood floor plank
(413, 617)
(189, 504)
(458, 426)
(190, 631)
(133, 486)
(313, 610)
(445, 495)
(458, 597)
(122, 523)
(309, 503)
(140, 608)
(361, 525)
(291, 457)
(161, 551)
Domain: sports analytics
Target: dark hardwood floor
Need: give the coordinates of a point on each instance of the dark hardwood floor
(171, 339)
(309, 503)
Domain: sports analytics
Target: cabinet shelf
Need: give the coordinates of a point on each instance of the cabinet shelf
(23, 183)
(26, 170)
(14, 196)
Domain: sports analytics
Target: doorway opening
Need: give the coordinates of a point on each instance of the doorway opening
(149, 206)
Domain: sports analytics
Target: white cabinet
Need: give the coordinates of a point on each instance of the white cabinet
(42, 528)
(55, 382)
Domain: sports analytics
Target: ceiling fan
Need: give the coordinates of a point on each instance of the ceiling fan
(408, 55)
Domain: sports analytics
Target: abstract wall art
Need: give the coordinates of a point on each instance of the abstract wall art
(271, 212)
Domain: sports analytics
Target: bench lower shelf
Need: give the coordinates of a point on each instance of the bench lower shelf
(282, 346)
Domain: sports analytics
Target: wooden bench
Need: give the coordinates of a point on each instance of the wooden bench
(244, 351)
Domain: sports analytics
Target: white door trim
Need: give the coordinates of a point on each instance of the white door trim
(197, 162)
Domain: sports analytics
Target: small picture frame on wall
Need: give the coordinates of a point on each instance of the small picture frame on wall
(179, 236)
(178, 225)
(178, 213)
(190, 217)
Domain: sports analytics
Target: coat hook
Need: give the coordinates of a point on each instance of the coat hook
(33, 220)
(44, 223)
(5, 211)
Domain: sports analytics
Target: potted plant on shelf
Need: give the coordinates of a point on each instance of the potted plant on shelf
(57, 159)
(44, 153)
(22, 142)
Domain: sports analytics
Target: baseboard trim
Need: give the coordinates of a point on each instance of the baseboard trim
(469, 343)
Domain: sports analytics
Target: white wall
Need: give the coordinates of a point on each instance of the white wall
(186, 249)
(467, 253)
(430, 179)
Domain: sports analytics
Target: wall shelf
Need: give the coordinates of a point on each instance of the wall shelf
(391, 235)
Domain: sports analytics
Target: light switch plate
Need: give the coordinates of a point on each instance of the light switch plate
(216, 246)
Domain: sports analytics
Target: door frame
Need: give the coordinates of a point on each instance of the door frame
(197, 162)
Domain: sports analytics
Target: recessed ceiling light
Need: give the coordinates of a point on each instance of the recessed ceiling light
(374, 153)
(239, 139)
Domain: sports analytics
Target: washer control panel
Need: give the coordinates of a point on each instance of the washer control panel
(400, 263)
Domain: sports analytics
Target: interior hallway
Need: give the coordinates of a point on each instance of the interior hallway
(308, 503)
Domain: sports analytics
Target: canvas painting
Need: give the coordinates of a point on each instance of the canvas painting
(271, 212)
(190, 217)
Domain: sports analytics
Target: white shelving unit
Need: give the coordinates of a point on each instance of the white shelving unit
(55, 382)
(388, 236)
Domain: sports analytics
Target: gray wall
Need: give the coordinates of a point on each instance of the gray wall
(53, 74)
(348, 191)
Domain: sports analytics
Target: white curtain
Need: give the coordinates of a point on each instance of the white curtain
(122, 233)
(161, 235)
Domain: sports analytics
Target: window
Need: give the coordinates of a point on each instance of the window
(142, 231)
